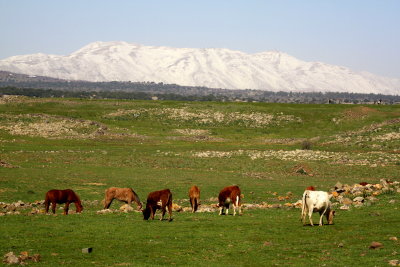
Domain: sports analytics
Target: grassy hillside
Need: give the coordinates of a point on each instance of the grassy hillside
(90, 145)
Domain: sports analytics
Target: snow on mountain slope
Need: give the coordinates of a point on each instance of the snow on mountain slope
(212, 67)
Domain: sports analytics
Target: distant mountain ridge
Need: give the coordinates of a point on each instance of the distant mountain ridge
(211, 67)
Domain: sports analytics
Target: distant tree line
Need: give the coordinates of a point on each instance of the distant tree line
(38, 86)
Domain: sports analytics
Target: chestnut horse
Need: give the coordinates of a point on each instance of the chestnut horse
(126, 195)
(66, 196)
(194, 196)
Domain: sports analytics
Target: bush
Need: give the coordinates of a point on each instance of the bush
(306, 145)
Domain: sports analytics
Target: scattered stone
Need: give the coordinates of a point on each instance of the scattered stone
(126, 208)
(344, 207)
(358, 199)
(176, 207)
(346, 201)
(340, 245)
(375, 245)
(335, 194)
(393, 238)
(104, 211)
(338, 185)
(87, 250)
(267, 244)
(10, 258)
(394, 262)
(384, 183)
(392, 201)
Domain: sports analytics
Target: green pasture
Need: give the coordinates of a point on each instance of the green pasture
(90, 145)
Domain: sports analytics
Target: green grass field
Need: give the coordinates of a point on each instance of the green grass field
(90, 145)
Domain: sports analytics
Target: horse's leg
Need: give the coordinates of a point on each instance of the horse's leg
(107, 203)
(53, 207)
(66, 208)
(191, 203)
(195, 205)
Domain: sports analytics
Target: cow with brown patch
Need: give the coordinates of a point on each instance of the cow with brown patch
(158, 200)
(126, 195)
(228, 195)
(194, 196)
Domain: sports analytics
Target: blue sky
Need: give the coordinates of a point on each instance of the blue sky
(359, 34)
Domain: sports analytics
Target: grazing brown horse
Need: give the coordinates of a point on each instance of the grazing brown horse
(126, 195)
(66, 196)
(194, 196)
(158, 200)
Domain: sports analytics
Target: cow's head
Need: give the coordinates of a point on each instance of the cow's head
(330, 216)
(146, 213)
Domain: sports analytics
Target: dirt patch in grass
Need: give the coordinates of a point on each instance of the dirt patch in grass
(6, 165)
(57, 127)
(97, 184)
(207, 117)
(302, 169)
(358, 113)
(6, 99)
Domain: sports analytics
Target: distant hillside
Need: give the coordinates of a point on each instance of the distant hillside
(214, 67)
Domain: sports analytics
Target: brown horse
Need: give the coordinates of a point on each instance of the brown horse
(194, 196)
(126, 195)
(66, 196)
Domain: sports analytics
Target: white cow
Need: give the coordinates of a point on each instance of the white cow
(316, 201)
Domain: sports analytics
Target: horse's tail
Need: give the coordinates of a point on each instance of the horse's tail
(169, 198)
(136, 199)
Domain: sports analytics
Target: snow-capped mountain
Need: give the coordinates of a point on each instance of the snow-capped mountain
(212, 67)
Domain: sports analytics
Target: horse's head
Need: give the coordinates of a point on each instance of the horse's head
(79, 207)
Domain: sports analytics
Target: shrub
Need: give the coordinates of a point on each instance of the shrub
(306, 145)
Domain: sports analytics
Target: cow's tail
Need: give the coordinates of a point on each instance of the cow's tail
(169, 202)
(303, 206)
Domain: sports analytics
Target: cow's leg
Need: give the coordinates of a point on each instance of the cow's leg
(310, 212)
(226, 209)
(66, 208)
(53, 207)
(152, 212)
(163, 210)
(47, 204)
(170, 211)
(303, 216)
(221, 208)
